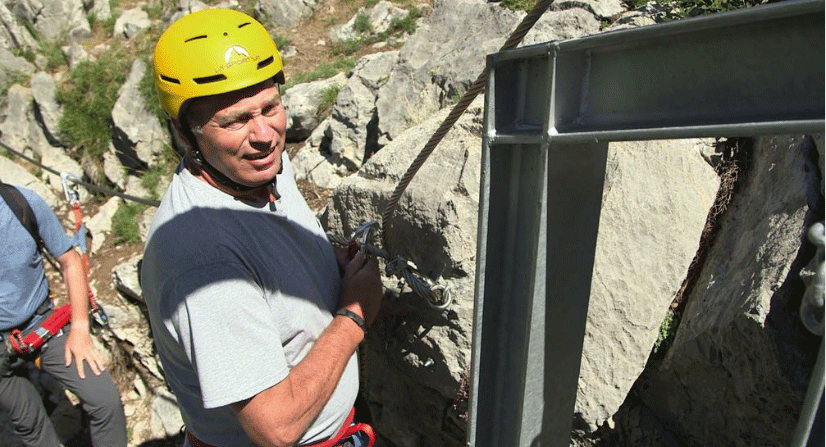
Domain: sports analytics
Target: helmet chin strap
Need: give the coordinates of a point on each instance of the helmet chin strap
(218, 175)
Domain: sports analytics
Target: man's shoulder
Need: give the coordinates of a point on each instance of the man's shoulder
(30, 195)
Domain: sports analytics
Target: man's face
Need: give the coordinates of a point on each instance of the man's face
(242, 133)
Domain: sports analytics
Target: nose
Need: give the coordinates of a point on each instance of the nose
(262, 131)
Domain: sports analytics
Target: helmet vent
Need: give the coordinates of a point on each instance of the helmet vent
(265, 62)
(168, 79)
(209, 79)
(204, 36)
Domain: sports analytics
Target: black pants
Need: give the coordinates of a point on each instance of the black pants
(98, 394)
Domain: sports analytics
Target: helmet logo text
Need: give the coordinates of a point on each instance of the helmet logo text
(235, 49)
(235, 55)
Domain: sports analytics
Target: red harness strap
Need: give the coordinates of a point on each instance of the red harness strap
(347, 429)
(48, 328)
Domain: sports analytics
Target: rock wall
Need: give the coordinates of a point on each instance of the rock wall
(739, 365)
(741, 361)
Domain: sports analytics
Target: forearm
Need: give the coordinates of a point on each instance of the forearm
(279, 415)
(75, 279)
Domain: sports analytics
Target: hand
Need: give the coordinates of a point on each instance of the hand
(80, 346)
(341, 258)
(361, 287)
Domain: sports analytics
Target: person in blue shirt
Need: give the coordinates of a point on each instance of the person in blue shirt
(70, 356)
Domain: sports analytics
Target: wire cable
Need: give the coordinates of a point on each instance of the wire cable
(516, 37)
(77, 180)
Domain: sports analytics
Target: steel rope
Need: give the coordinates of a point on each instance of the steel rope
(77, 180)
(478, 85)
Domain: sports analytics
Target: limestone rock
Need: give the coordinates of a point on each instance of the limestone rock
(650, 228)
(14, 67)
(46, 107)
(15, 174)
(420, 352)
(738, 368)
(12, 33)
(602, 9)
(379, 17)
(139, 138)
(126, 278)
(131, 23)
(304, 101)
(100, 225)
(286, 13)
(53, 19)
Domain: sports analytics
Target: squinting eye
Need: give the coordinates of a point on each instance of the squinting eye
(235, 125)
(271, 111)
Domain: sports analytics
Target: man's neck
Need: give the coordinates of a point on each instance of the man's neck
(260, 194)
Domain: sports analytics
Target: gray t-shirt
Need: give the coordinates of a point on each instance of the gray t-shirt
(237, 295)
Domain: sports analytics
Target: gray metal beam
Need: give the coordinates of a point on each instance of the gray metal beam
(551, 110)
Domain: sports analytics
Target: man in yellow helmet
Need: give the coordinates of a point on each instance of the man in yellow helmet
(255, 316)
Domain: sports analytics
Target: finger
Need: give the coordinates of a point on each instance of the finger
(98, 362)
(95, 366)
(356, 264)
(373, 264)
(341, 257)
(67, 356)
(79, 364)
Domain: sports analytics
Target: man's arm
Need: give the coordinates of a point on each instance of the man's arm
(79, 342)
(279, 415)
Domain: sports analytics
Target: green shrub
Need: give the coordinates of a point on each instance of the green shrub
(519, 5)
(125, 223)
(408, 23)
(151, 178)
(25, 53)
(668, 330)
(347, 47)
(88, 97)
(54, 55)
(19, 78)
(281, 41)
(689, 8)
(155, 11)
(362, 23)
(323, 71)
(328, 97)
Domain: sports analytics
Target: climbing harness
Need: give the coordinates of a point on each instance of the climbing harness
(347, 430)
(54, 322)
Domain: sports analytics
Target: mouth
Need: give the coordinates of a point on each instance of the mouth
(259, 155)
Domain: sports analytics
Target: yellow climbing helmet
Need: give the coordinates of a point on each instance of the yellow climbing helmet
(209, 52)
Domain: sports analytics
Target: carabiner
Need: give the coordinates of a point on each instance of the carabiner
(72, 196)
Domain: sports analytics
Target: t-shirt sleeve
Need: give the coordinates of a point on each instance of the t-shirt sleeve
(226, 330)
(51, 230)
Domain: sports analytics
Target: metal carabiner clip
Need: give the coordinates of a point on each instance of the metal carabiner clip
(364, 234)
(72, 196)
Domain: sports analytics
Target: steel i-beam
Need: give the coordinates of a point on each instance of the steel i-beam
(550, 111)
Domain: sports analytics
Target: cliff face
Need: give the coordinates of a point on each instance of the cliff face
(740, 360)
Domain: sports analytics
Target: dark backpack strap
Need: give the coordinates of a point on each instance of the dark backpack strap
(22, 210)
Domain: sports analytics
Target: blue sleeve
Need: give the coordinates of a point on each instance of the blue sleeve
(51, 230)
